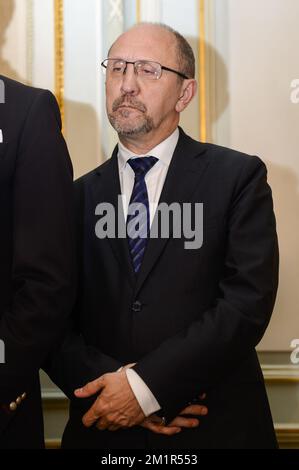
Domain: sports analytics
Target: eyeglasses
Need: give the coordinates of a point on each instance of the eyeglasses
(143, 68)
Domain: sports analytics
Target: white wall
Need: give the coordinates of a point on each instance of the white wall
(13, 38)
(42, 44)
(83, 79)
(263, 40)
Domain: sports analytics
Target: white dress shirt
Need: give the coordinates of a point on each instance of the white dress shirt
(154, 180)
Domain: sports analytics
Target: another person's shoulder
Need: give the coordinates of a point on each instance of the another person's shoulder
(23, 96)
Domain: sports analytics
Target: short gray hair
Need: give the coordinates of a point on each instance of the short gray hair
(185, 52)
(186, 57)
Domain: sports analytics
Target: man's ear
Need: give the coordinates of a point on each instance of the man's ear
(188, 91)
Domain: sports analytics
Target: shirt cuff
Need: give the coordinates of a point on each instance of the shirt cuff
(144, 396)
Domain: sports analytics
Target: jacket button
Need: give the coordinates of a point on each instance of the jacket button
(18, 400)
(137, 306)
(13, 406)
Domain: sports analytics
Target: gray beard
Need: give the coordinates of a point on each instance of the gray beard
(127, 130)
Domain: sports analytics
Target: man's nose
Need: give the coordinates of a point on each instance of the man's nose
(129, 83)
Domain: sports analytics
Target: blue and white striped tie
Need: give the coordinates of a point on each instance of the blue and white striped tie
(138, 220)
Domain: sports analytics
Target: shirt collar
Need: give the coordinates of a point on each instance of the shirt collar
(163, 151)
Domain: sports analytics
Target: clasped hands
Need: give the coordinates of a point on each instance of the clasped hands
(117, 407)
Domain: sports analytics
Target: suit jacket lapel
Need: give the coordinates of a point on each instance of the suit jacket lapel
(109, 192)
(186, 168)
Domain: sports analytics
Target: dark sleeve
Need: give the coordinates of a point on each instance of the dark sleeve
(73, 363)
(43, 266)
(220, 339)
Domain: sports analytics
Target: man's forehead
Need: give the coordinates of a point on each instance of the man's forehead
(143, 43)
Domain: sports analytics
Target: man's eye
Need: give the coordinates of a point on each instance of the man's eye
(117, 67)
(148, 70)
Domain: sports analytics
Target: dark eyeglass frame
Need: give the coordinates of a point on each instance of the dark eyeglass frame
(105, 64)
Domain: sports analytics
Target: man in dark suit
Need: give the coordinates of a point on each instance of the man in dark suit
(36, 252)
(157, 323)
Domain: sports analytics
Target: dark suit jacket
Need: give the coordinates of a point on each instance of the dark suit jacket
(192, 318)
(36, 253)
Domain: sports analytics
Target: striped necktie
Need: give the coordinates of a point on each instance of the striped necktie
(138, 220)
